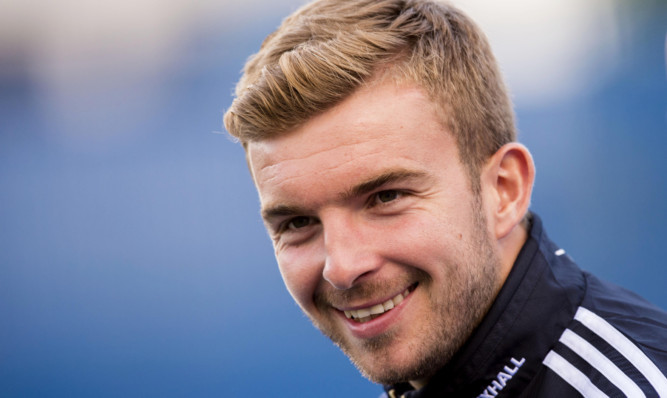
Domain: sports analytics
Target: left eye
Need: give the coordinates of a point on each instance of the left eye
(386, 196)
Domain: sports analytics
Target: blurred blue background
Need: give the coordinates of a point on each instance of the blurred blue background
(133, 261)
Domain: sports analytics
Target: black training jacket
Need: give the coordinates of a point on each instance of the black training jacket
(556, 331)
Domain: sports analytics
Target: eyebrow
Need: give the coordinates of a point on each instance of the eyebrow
(281, 211)
(360, 189)
(378, 181)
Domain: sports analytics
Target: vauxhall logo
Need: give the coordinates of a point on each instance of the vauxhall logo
(502, 378)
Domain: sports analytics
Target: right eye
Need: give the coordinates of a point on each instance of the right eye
(296, 230)
(299, 222)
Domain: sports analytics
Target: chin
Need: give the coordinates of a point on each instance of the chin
(387, 371)
(381, 361)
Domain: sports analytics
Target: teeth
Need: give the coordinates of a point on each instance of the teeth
(362, 313)
(366, 314)
(377, 309)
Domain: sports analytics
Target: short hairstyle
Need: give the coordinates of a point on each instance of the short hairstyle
(327, 49)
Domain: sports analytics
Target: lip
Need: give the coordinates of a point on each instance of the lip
(379, 325)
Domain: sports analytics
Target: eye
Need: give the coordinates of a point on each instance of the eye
(299, 222)
(295, 231)
(386, 196)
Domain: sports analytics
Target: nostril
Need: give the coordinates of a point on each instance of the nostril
(362, 276)
(344, 275)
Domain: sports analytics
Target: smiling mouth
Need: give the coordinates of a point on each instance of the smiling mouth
(366, 314)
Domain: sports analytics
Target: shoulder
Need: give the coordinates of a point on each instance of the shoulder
(615, 344)
(620, 305)
(626, 315)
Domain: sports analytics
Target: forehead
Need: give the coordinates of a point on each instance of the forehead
(381, 126)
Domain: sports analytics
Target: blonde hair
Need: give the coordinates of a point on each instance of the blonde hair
(328, 48)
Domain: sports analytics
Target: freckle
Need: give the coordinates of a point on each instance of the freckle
(460, 236)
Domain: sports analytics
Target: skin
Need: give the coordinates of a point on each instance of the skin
(369, 199)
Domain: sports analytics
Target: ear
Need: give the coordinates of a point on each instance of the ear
(507, 183)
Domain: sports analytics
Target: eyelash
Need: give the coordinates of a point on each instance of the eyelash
(292, 220)
(375, 201)
(285, 226)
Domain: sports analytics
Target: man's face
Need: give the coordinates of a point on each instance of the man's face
(377, 233)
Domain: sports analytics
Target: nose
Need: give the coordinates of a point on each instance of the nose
(350, 254)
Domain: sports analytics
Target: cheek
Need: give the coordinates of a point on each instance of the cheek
(425, 242)
(301, 269)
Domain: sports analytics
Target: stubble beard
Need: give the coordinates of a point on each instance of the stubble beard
(473, 285)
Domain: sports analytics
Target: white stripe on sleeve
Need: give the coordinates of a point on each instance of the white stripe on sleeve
(573, 376)
(621, 343)
(601, 363)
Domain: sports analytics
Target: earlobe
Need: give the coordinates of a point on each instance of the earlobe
(511, 174)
